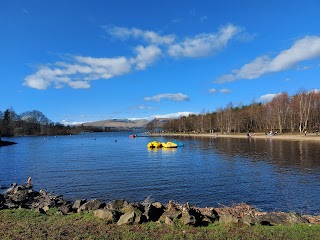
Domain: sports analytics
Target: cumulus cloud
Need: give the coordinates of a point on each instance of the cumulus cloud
(170, 96)
(146, 56)
(148, 36)
(212, 90)
(204, 44)
(268, 97)
(78, 73)
(303, 49)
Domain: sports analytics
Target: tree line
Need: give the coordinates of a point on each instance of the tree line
(283, 114)
(32, 123)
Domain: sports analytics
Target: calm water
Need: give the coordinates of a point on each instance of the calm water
(266, 173)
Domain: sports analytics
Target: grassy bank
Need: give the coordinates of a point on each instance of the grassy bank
(28, 224)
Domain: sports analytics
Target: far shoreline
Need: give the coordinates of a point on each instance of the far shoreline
(311, 137)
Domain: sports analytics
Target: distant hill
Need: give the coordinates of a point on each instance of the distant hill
(119, 123)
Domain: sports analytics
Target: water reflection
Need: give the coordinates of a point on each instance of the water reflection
(301, 155)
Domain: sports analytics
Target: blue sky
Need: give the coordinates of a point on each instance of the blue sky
(81, 61)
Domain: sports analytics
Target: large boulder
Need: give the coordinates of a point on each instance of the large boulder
(191, 215)
(109, 216)
(131, 216)
(132, 213)
(153, 212)
(274, 218)
(172, 212)
(92, 205)
(117, 205)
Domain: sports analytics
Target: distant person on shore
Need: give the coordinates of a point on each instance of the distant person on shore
(305, 132)
(29, 183)
(316, 133)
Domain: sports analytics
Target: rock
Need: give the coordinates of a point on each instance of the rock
(250, 220)
(65, 208)
(108, 215)
(228, 218)
(153, 213)
(92, 205)
(172, 214)
(274, 218)
(188, 219)
(171, 206)
(169, 221)
(19, 194)
(117, 205)
(191, 216)
(45, 208)
(132, 214)
(11, 189)
(76, 205)
(127, 218)
(158, 205)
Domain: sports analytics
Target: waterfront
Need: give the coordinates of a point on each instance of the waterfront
(266, 173)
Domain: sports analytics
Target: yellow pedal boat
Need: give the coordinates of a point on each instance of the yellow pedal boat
(169, 145)
(154, 144)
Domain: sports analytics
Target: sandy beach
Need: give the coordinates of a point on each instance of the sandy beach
(311, 137)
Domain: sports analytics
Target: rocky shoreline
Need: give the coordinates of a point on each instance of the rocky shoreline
(121, 212)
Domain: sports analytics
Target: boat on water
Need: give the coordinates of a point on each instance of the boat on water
(133, 136)
(155, 144)
(169, 145)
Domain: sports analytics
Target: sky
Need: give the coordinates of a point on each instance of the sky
(90, 60)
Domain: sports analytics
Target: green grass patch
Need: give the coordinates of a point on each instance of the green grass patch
(29, 224)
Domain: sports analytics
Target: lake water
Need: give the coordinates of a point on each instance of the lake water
(267, 173)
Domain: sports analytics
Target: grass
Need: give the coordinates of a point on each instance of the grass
(28, 224)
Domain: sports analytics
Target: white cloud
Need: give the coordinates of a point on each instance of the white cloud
(148, 36)
(212, 90)
(77, 74)
(169, 96)
(268, 97)
(172, 115)
(204, 44)
(70, 123)
(224, 90)
(78, 71)
(79, 84)
(146, 56)
(303, 49)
